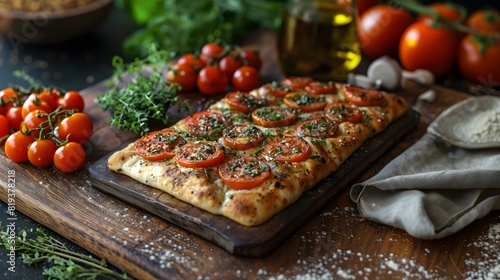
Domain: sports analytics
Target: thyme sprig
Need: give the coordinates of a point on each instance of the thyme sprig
(66, 264)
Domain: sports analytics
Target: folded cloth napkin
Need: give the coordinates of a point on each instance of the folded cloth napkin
(433, 189)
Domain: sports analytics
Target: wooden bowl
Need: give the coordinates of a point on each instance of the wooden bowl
(52, 27)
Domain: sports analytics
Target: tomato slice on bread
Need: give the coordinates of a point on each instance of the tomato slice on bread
(287, 149)
(304, 101)
(242, 136)
(200, 154)
(297, 82)
(243, 101)
(321, 88)
(242, 173)
(363, 97)
(273, 116)
(159, 145)
(341, 111)
(206, 124)
(275, 89)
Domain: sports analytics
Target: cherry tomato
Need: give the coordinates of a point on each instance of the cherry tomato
(363, 97)
(72, 100)
(297, 82)
(305, 102)
(243, 136)
(184, 75)
(243, 173)
(69, 157)
(200, 154)
(251, 58)
(275, 89)
(246, 78)
(320, 127)
(341, 111)
(159, 145)
(287, 149)
(321, 88)
(41, 152)
(32, 104)
(484, 21)
(211, 80)
(448, 10)
(7, 98)
(206, 124)
(209, 51)
(15, 117)
(426, 47)
(477, 66)
(36, 123)
(192, 60)
(230, 63)
(380, 28)
(16, 146)
(243, 101)
(4, 127)
(273, 116)
(50, 96)
(76, 128)
(363, 5)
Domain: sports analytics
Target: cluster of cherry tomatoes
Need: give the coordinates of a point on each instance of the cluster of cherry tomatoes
(215, 68)
(422, 43)
(44, 126)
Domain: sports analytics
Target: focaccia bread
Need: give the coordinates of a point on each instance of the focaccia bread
(250, 155)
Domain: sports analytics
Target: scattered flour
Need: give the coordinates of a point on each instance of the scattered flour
(484, 128)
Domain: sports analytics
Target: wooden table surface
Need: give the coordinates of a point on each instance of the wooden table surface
(335, 243)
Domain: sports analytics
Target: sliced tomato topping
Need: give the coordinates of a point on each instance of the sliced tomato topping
(200, 154)
(363, 97)
(242, 173)
(275, 89)
(321, 87)
(341, 111)
(159, 145)
(273, 116)
(305, 102)
(206, 124)
(287, 149)
(297, 82)
(318, 128)
(244, 102)
(243, 136)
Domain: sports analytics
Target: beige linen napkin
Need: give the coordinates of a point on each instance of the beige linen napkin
(434, 188)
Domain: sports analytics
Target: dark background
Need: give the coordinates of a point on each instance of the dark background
(76, 65)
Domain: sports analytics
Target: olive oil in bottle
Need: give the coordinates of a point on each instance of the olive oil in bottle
(318, 38)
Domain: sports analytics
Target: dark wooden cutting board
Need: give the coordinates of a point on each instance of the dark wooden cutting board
(238, 239)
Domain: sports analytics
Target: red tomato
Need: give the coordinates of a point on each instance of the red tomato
(76, 128)
(16, 146)
(69, 157)
(380, 28)
(297, 82)
(15, 117)
(363, 5)
(320, 127)
(304, 101)
(251, 58)
(50, 96)
(448, 10)
(246, 78)
(193, 60)
(206, 124)
(321, 88)
(426, 47)
(32, 104)
(243, 136)
(273, 116)
(211, 80)
(7, 98)
(159, 145)
(484, 21)
(200, 154)
(210, 51)
(287, 149)
(275, 89)
(72, 100)
(230, 63)
(343, 112)
(476, 66)
(243, 101)
(363, 97)
(41, 152)
(4, 127)
(37, 123)
(243, 173)
(184, 75)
